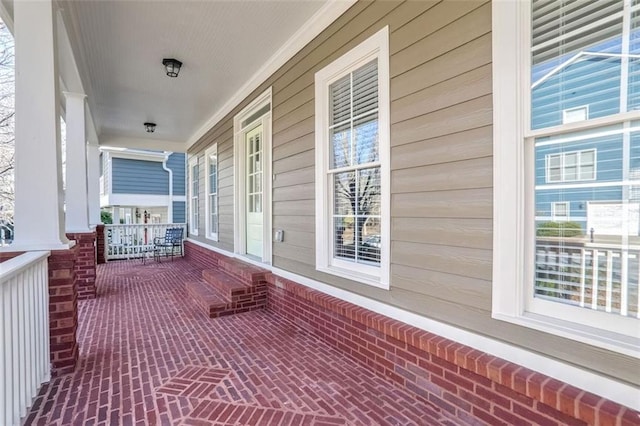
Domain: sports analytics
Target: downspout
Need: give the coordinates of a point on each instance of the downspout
(168, 170)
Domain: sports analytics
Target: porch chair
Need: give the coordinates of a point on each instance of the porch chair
(168, 245)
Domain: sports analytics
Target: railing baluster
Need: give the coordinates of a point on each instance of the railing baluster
(24, 332)
(609, 275)
(594, 280)
(583, 273)
(624, 281)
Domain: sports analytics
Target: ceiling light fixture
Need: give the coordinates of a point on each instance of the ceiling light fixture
(172, 66)
(150, 127)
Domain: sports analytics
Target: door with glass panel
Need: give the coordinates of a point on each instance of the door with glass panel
(253, 140)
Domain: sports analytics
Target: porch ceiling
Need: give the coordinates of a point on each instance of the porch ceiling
(119, 46)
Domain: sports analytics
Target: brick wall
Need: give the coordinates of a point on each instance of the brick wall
(85, 264)
(452, 377)
(100, 247)
(63, 310)
(201, 256)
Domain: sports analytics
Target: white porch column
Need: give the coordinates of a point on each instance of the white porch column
(76, 194)
(39, 214)
(93, 182)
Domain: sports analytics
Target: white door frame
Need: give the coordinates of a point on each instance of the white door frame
(239, 178)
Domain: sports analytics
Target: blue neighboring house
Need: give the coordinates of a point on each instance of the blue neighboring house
(133, 182)
(580, 177)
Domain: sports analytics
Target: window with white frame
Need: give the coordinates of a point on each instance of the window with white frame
(578, 280)
(572, 115)
(194, 192)
(211, 189)
(352, 163)
(571, 166)
(560, 210)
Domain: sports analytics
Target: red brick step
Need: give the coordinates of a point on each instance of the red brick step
(244, 271)
(221, 293)
(226, 284)
(212, 302)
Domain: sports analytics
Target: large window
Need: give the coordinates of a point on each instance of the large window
(194, 192)
(571, 166)
(567, 86)
(211, 189)
(352, 171)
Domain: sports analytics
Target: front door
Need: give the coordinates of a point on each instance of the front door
(253, 140)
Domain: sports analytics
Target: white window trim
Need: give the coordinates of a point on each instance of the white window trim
(563, 156)
(514, 224)
(376, 46)
(566, 112)
(212, 150)
(193, 227)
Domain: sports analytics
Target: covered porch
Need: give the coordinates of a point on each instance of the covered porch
(409, 333)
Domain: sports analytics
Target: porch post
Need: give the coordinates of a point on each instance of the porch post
(39, 214)
(76, 198)
(93, 182)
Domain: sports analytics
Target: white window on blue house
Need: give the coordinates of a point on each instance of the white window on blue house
(211, 189)
(352, 164)
(577, 275)
(194, 193)
(560, 210)
(573, 115)
(571, 166)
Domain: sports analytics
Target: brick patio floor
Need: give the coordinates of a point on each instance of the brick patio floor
(148, 357)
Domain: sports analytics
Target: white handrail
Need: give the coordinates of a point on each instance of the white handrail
(24, 333)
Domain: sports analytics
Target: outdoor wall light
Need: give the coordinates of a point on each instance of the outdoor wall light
(172, 66)
(150, 127)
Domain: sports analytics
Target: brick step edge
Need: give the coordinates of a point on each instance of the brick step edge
(214, 304)
(207, 298)
(244, 271)
(227, 284)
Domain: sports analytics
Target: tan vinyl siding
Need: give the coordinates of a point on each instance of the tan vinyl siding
(441, 168)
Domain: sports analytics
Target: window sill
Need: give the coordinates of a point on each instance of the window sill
(626, 345)
(372, 280)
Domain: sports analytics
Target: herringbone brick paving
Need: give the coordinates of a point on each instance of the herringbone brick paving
(148, 356)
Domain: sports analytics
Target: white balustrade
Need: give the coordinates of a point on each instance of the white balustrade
(135, 240)
(596, 276)
(24, 333)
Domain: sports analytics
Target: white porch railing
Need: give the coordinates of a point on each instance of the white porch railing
(132, 241)
(24, 333)
(594, 276)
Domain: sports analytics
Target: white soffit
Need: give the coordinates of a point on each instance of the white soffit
(119, 46)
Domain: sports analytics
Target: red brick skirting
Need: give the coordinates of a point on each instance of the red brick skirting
(456, 378)
(85, 264)
(63, 310)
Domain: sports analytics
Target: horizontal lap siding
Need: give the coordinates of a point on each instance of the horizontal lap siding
(441, 168)
(139, 177)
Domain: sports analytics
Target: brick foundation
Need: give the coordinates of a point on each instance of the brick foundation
(85, 264)
(63, 310)
(469, 384)
(100, 245)
(456, 378)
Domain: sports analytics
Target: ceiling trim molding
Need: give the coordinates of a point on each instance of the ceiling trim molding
(133, 154)
(324, 17)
